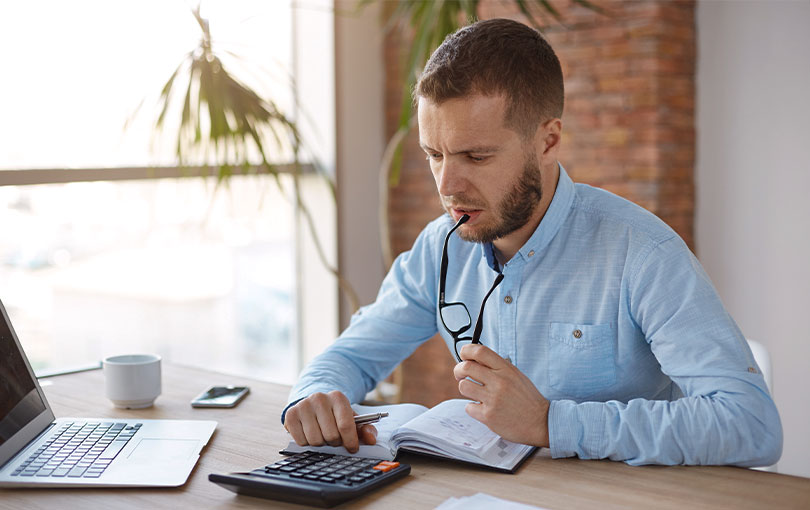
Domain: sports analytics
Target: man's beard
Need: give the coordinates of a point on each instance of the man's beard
(515, 209)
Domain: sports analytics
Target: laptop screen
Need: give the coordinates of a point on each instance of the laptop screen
(20, 401)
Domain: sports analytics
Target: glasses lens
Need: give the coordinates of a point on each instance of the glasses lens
(461, 342)
(455, 317)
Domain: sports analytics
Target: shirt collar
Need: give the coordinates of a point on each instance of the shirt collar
(552, 220)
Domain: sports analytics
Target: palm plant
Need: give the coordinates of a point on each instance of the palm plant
(227, 125)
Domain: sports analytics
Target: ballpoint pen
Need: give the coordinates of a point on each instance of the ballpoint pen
(365, 419)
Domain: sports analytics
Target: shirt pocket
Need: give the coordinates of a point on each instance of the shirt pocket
(581, 360)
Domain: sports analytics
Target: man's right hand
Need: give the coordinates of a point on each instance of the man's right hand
(327, 418)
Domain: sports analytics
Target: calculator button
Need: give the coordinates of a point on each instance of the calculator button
(386, 466)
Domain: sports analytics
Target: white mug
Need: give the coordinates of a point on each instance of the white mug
(132, 381)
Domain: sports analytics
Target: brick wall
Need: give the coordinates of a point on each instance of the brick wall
(628, 127)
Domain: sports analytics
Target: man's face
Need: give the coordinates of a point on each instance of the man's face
(481, 167)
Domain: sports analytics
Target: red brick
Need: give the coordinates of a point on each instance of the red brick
(681, 101)
(641, 10)
(616, 136)
(645, 99)
(578, 53)
(612, 67)
(643, 172)
(617, 49)
(643, 46)
(579, 85)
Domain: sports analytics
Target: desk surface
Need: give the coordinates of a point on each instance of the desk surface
(251, 435)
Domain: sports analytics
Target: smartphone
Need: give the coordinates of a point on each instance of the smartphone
(220, 396)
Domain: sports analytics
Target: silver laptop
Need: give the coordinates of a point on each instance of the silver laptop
(37, 450)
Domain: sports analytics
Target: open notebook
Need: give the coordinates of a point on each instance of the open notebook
(445, 431)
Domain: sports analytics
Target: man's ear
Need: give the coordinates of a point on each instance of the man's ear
(548, 137)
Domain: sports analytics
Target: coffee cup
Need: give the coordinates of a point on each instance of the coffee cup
(132, 381)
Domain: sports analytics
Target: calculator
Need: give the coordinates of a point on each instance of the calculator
(313, 478)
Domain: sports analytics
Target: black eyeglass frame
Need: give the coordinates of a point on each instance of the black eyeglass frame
(479, 323)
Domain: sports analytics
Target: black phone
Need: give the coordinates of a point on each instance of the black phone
(220, 396)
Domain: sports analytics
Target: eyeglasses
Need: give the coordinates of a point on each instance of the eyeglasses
(454, 316)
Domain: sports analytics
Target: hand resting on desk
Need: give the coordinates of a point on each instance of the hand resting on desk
(327, 418)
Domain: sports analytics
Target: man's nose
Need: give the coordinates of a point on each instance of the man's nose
(451, 180)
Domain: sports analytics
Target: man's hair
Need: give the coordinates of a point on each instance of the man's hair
(498, 56)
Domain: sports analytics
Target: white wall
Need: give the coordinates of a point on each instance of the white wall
(753, 188)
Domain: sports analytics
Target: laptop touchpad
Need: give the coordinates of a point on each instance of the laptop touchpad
(164, 449)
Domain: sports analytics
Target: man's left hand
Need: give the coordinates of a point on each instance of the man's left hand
(506, 400)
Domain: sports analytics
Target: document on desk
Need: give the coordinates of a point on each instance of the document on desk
(445, 430)
(483, 501)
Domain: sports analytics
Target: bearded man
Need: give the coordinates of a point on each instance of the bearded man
(603, 337)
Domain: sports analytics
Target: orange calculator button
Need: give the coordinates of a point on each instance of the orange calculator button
(386, 466)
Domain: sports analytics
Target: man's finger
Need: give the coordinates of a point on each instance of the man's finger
(473, 370)
(344, 417)
(312, 430)
(293, 426)
(483, 355)
(329, 428)
(368, 434)
(475, 410)
(472, 390)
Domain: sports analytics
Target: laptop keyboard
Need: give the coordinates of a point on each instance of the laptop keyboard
(78, 450)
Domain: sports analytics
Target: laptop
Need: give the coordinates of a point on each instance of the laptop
(38, 450)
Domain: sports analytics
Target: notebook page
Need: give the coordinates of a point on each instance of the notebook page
(448, 429)
(449, 425)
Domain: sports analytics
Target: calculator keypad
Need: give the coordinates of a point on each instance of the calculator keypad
(331, 469)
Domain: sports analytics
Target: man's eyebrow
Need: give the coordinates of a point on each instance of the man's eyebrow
(482, 149)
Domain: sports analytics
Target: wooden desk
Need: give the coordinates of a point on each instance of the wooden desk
(250, 436)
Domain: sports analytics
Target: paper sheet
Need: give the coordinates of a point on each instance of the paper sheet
(483, 501)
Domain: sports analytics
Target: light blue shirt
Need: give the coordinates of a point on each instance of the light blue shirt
(608, 313)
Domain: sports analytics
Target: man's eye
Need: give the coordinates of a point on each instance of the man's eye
(477, 159)
(434, 156)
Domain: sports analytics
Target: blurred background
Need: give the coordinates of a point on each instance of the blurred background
(696, 110)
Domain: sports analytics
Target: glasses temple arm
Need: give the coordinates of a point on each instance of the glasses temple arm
(479, 323)
(443, 275)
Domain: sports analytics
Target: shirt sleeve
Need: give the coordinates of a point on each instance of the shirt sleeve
(384, 333)
(726, 415)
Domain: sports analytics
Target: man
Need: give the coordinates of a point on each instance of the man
(603, 337)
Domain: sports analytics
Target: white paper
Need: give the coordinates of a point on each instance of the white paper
(483, 501)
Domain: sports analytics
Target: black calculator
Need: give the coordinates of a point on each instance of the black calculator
(313, 478)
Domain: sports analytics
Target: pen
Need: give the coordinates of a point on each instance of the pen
(365, 419)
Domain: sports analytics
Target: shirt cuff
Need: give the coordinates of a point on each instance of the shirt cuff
(575, 429)
(284, 412)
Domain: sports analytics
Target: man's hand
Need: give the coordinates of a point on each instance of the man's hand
(510, 405)
(327, 418)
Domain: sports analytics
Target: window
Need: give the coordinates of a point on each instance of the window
(106, 247)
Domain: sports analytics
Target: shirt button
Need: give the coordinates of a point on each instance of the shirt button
(752, 370)
(531, 253)
(507, 299)
(577, 333)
